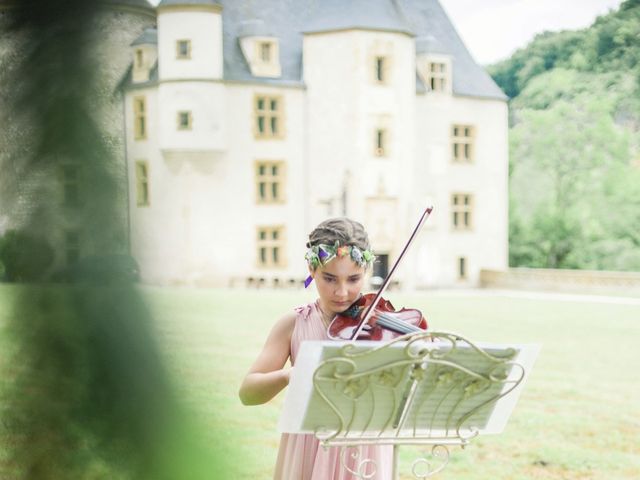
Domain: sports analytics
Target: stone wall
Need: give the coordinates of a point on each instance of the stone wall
(574, 281)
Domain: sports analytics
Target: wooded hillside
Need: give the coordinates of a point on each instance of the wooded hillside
(575, 145)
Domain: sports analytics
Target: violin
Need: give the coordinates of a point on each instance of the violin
(371, 317)
(386, 323)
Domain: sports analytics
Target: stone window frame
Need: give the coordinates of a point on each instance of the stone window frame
(273, 51)
(381, 69)
(264, 130)
(381, 142)
(463, 143)
(138, 58)
(438, 76)
(140, 117)
(184, 115)
(266, 180)
(180, 53)
(270, 246)
(462, 211)
(462, 265)
(142, 183)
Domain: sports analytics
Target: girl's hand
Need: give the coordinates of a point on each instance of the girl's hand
(288, 374)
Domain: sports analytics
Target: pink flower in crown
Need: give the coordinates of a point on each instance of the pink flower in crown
(343, 251)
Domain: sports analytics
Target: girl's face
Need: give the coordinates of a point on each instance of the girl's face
(339, 283)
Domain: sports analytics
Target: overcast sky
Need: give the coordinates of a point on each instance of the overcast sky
(494, 29)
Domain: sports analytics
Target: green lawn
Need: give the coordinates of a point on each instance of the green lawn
(577, 418)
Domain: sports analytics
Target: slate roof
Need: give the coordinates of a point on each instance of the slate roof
(427, 17)
(430, 44)
(149, 36)
(370, 14)
(288, 19)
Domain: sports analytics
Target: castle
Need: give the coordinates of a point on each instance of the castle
(247, 123)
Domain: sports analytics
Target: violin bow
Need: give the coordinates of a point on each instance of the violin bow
(369, 312)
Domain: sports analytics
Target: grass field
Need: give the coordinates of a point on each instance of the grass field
(577, 418)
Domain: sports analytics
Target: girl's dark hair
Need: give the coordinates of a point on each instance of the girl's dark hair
(344, 230)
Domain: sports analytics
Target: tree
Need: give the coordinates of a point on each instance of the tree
(25, 257)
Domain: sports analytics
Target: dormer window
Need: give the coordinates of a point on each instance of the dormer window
(139, 58)
(438, 76)
(266, 51)
(435, 72)
(144, 53)
(183, 49)
(262, 53)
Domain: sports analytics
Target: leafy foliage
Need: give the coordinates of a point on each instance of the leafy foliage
(24, 257)
(574, 145)
(86, 394)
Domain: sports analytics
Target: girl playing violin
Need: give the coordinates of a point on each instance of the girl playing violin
(338, 258)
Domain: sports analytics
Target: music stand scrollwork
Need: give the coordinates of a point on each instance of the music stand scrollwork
(433, 389)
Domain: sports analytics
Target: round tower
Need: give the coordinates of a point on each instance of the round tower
(190, 39)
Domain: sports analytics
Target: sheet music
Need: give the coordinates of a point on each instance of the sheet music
(373, 392)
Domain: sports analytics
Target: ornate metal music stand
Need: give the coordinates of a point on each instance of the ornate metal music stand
(430, 389)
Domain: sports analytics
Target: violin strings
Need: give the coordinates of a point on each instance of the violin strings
(395, 324)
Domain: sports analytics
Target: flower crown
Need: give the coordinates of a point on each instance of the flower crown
(322, 254)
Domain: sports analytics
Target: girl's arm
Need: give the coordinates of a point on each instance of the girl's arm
(266, 376)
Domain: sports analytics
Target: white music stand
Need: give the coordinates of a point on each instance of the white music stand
(432, 389)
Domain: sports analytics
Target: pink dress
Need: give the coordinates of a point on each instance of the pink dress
(301, 457)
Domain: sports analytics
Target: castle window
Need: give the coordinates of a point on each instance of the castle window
(462, 268)
(142, 183)
(268, 117)
(462, 137)
(438, 77)
(262, 55)
(70, 185)
(462, 211)
(72, 246)
(185, 120)
(270, 178)
(380, 146)
(380, 69)
(266, 51)
(139, 118)
(183, 49)
(270, 245)
(139, 58)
